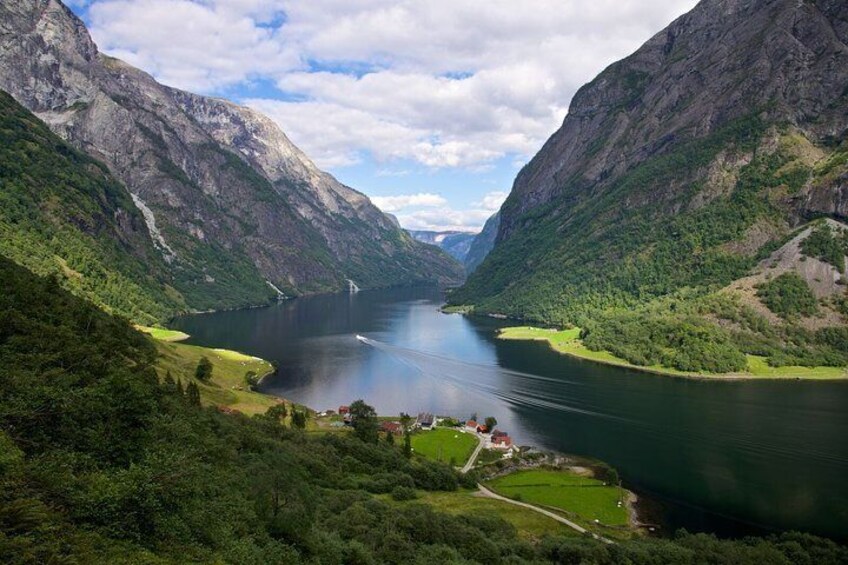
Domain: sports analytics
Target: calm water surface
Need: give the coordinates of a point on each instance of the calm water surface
(732, 457)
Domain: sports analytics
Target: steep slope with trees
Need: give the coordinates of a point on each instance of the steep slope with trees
(679, 167)
(62, 213)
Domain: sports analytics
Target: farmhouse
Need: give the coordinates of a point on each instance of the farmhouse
(344, 410)
(471, 424)
(502, 442)
(392, 427)
(425, 420)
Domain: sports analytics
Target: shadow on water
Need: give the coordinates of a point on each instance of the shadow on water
(768, 454)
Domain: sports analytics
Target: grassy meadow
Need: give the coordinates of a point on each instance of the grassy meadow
(444, 444)
(586, 498)
(163, 334)
(228, 386)
(529, 524)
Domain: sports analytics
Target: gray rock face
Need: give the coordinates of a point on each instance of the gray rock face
(785, 59)
(231, 197)
(482, 244)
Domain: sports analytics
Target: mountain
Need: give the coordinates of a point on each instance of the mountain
(662, 146)
(482, 244)
(676, 171)
(454, 243)
(62, 213)
(235, 210)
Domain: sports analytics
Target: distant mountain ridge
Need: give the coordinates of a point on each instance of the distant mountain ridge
(483, 243)
(235, 203)
(454, 243)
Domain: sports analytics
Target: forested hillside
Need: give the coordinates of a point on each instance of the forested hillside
(102, 463)
(678, 170)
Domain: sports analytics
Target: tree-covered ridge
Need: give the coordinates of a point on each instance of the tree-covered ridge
(638, 272)
(102, 463)
(62, 213)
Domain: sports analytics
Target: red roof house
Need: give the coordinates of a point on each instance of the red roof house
(502, 441)
(344, 409)
(392, 427)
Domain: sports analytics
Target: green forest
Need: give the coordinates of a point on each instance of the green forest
(100, 462)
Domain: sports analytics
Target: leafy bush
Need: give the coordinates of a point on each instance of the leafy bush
(404, 493)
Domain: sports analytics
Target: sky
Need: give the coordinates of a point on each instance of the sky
(430, 107)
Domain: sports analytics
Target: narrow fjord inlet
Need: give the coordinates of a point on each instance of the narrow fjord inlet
(310, 282)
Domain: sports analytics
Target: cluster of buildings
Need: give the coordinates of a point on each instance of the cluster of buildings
(497, 439)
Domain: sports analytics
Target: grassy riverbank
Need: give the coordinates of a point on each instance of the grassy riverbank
(568, 342)
(163, 334)
(228, 385)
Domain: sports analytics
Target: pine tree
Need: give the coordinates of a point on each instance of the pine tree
(193, 394)
(169, 382)
(180, 390)
(407, 444)
(390, 438)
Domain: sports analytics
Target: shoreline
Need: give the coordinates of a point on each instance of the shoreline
(504, 334)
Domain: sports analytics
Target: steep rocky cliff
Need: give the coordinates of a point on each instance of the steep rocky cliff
(676, 166)
(227, 198)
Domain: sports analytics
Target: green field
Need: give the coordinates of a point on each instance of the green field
(568, 342)
(758, 367)
(229, 370)
(444, 444)
(529, 524)
(163, 334)
(583, 497)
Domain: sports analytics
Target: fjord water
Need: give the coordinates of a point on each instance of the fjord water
(733, 457)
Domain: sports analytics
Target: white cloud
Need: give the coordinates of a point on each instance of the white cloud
(447, 83)
(195, 45)
(400, 202)
(492, 201)
(429, 211)
(444, 219)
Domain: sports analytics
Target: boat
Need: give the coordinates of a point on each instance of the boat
(361, 338)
